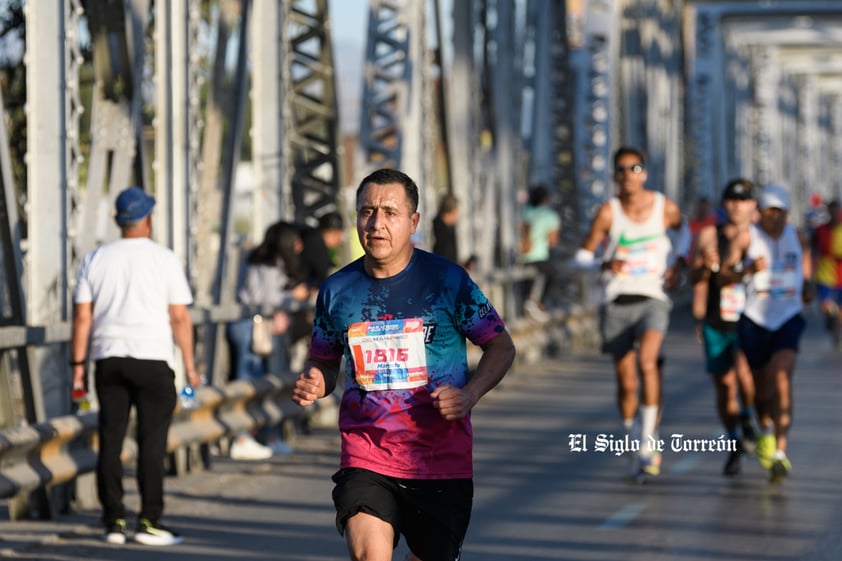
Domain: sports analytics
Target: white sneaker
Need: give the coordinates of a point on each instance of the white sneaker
(115, 532)
(152, 532)
(246, 448)
(534, 310)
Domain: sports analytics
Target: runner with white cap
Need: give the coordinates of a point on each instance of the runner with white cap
(778, 269)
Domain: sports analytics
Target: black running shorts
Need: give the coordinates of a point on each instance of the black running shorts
(432, 514)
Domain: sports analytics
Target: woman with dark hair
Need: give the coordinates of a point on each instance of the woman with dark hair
(281, 243)
(265, 283)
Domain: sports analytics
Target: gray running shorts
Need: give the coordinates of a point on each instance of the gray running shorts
(622, 325)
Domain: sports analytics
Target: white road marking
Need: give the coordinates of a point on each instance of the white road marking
(624, 516)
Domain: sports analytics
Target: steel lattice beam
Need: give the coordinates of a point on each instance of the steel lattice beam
(386, 84)
(463, 108)
(270, 92)
(392, 86)
(594, 60)
(115, 159)
(313, 109)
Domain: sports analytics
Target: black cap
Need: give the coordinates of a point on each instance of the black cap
(739, 189)
(331, 221)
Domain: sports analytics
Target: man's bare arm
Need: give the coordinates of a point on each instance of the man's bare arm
(82, 321)
(497, 357)
(182, 331)
(600, 226)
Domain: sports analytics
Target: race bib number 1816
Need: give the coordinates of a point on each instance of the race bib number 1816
(389, 355)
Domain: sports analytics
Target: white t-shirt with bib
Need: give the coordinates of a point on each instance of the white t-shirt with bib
(132, 282)
(773, 296)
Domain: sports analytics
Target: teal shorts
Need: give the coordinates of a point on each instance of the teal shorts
(720, 349)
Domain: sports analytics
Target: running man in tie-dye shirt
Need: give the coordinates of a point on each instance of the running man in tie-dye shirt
(400, 318)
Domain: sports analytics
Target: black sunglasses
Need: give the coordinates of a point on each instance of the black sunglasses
(636, 168)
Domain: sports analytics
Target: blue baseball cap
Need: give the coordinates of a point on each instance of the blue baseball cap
(738, 190)
(133, 204)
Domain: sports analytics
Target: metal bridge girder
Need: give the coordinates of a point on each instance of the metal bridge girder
(316, 176)
(594, 60)
(783, 43)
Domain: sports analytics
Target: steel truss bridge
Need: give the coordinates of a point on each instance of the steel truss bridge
(516, 93)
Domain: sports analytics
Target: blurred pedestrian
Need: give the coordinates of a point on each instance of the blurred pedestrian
(444, 228)
(827, 244)
(318, 258)
(266, 283)
(703, 216)
(540, 234)
(398, 318)
(131, 304)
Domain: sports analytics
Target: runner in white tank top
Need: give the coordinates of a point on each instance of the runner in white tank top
(635, 312)
(643, 247)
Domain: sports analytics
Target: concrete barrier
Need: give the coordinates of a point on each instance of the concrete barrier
(57, 451)
(52, 452)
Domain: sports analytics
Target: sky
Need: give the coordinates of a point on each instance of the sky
(348, 20)
(349, 27)
(348, 23)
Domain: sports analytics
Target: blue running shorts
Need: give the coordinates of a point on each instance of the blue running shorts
(829, 293)
(759, 343)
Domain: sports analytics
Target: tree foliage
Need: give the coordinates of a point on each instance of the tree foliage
(13, 84)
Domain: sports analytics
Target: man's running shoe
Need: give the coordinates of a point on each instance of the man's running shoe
(779, 470)
(831, 318)
(152, 532)
(115, 532)
(645, 467)
(766, 445)
(633, 468)
(749, 440)
(733, 466)
(651, 465)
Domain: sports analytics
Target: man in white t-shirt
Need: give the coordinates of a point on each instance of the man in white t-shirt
(778, 268)
(131, 305)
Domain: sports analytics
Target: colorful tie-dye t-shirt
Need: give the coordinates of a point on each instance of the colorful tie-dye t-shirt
(401, 337)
